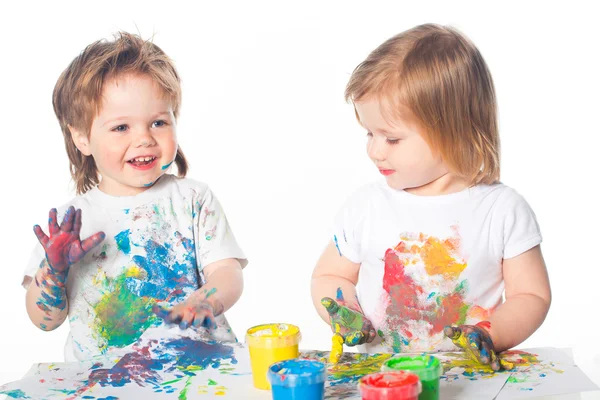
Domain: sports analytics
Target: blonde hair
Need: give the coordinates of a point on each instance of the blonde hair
(443, 80)
(78, 93)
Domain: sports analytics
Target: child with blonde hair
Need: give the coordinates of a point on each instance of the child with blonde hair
(423, 258)
(137, 245)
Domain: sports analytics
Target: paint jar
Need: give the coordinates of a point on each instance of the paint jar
(268, 344)
(427, 368)
(298, 379)
(390, 385)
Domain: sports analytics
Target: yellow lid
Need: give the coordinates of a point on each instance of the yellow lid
(273, 335)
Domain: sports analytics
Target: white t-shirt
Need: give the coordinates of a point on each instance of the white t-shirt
(156, 245)
(431, 261)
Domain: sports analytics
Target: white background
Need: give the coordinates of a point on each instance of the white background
(264, 123)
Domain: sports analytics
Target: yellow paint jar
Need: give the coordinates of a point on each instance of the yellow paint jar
(268, 344)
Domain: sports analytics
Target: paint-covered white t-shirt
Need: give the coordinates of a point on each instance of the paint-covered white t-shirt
(431, 261)
(156, 246)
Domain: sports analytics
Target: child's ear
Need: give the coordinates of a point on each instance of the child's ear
(80, 140)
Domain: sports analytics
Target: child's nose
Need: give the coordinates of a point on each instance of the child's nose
(376, 150)
(144, 139)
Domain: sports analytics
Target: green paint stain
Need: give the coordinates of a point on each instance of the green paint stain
(170, 382)
(462, 314)
(183, 393)
(397, 343)
(212, 383)
(462, 287)
(121, 316)
(380, 333)
(514, 379)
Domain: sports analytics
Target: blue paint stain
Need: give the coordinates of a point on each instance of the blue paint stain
(336, 245)
(88, 397)
(108, 398)
(187, 353)
(339, 295)
(542, 375)
(526, 389)
(148, 184)
(431, 295)
(122, 239)
(166, 166)
(165, 277)
(44, 327)
(126, 210)
(16, 394)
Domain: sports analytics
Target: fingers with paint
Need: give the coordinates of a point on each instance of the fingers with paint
(352, 325)
(476, 341)
(193, 313)
(63, 248)
(349, 326)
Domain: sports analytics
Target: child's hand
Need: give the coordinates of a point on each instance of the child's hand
(191, 313)
(477, 343)
(352, 325)
(64, 247)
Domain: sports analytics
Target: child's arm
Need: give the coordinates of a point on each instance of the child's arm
(46, 299)
(335, 277)
(223, 288)
(528, 298)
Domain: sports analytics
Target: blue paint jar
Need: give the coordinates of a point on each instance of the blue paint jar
(297, 379)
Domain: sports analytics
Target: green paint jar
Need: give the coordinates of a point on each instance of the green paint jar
(427, 368)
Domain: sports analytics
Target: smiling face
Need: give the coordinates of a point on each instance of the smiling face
(398, 149)
(133, 137)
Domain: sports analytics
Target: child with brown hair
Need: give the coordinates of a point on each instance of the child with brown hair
(427, 254)
(157, 246)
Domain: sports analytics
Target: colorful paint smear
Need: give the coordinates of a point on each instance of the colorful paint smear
(124, 311)
(417, 312)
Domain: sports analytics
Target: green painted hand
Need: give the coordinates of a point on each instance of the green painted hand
(352, 325)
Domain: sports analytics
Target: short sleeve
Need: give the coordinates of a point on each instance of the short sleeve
(521, 229)
(347, 227)
(214, 238)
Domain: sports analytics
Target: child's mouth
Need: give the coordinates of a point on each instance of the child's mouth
(145, 162)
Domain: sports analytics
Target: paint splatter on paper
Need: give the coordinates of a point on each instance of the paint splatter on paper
(187, 369)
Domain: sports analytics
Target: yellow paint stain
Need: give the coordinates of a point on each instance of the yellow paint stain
(135, 272)
(337, 348)
(438, 259)
(190, 368)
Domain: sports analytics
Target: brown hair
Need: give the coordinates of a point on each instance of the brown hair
(78, 91)
(441, 77)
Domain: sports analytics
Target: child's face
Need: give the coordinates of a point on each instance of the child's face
(133, 138)
(398, 149)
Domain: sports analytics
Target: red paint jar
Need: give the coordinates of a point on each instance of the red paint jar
(390, 385)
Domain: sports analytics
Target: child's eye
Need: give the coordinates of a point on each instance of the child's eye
(120, 128)
(369, 134)
(159, 123)
(392, 141)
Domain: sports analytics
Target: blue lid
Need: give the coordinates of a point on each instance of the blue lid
(291, 373)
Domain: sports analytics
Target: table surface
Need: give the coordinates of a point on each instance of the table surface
(259, 394)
